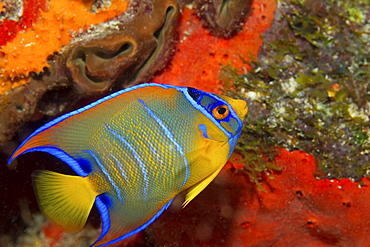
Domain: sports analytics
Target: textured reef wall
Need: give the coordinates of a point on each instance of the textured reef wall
(306, 80)
(295, 209)
(309, 88)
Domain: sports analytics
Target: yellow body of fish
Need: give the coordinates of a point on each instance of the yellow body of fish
(133, 152)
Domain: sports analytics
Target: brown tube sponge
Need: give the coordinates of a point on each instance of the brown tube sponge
(224, 18)
(127, 50)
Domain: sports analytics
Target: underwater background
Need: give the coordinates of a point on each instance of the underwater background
(299, 175)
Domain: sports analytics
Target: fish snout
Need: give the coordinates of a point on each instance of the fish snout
(241, 108)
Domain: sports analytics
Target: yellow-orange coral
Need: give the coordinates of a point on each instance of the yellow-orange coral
(28, 52)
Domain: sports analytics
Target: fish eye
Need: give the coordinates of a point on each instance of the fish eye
(220, 112)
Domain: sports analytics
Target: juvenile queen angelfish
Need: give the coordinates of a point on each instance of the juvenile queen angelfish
(133, 152)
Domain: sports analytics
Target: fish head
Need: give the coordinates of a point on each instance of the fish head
(226, 113)
(240, 106)
(235, 122)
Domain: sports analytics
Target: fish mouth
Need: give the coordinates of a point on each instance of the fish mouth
(245, 110)
(241, 108)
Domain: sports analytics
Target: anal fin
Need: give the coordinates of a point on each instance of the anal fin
(120, 221)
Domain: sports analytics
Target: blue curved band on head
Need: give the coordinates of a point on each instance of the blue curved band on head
(232, 143)
(207, 114)
(195, 94)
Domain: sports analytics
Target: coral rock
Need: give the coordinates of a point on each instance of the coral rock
(200, 55)
(296, 210)
(224, 18)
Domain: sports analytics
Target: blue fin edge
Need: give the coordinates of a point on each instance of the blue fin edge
(104, 213)
(60, 154)
(170, 136)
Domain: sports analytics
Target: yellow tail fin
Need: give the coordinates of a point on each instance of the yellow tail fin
(65, 200)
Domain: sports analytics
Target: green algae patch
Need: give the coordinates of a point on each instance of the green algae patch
(309, 89)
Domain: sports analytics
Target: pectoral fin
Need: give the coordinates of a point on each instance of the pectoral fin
(203, 163)
(196, 189)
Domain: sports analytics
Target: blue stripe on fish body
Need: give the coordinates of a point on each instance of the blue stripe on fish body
(137, 157)
(138, 139)
(107, 175)
(114, 148)
(119, 167)
(171, 137)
